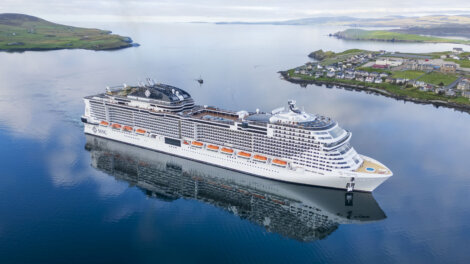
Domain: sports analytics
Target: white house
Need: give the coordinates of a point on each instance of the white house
(457, 50)
(393, 62)
(464, 85)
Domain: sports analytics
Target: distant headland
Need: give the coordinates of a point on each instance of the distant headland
(402, 35)
(19, 32)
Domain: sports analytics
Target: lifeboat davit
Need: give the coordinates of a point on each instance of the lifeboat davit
(116, 126)
(260, 158)
(104, 123)
(213, 147)
(127, 128)
(227, 151)
(279, 162)
(244, 155)
(197, 144)
(140, 131)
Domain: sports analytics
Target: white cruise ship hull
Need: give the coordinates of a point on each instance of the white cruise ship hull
(347, 180)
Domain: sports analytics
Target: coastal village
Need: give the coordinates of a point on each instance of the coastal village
(446, 74)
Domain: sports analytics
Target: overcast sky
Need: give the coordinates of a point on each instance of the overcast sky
(225, 10)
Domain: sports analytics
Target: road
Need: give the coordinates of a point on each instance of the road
(452, 85)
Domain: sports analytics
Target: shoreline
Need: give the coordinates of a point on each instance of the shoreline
(19, 50)
(436, 103)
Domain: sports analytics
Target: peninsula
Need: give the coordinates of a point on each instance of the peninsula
(19, 32)
(439, 78)
(394, 36)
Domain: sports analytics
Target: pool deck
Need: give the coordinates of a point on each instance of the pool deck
(378, 168)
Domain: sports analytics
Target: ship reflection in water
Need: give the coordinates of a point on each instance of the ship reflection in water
(299, 212)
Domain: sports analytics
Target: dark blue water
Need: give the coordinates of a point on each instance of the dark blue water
(63, 199)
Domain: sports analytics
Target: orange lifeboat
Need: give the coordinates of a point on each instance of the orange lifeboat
(104, 123)
(243, 154)
(260, 158)
(186, 142)
(116, 126)
(140, 131)
(127, 128)
(279, 162)
(227, 151)
(197, 144)
(212, 147)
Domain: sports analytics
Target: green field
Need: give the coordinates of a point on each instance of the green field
(385, 35)
(22, 32)
(407, 74)
(370, 69)
(438, 78)
(330, 57)
(463, 63)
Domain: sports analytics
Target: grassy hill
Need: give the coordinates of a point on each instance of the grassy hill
(385, 35)
(330, 57)
(416, 21)
(20, 32)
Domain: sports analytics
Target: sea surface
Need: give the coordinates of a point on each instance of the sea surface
(68, 198)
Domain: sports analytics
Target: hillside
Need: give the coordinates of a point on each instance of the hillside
(438, 25)
(418, 21)
(447, 30)
(389, 21)
(386, 35)
(20, 32)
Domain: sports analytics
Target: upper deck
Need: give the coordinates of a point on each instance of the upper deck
(153, 93)
(172, 100)
(255, 118)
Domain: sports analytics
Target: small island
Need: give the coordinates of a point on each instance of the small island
(439, 78)
(19, 32)
(399, 35)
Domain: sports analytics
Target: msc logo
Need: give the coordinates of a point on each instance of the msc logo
(94, 129)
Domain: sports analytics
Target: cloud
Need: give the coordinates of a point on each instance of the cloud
(228, 10)
(68, 168)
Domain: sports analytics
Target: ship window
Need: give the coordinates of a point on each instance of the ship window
(336, 132)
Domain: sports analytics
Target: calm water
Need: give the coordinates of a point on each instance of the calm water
(66, 199)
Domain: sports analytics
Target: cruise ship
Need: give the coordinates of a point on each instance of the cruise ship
(286, 144)
(299, 212)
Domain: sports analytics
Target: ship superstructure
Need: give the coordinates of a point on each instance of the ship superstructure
(286, 144)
